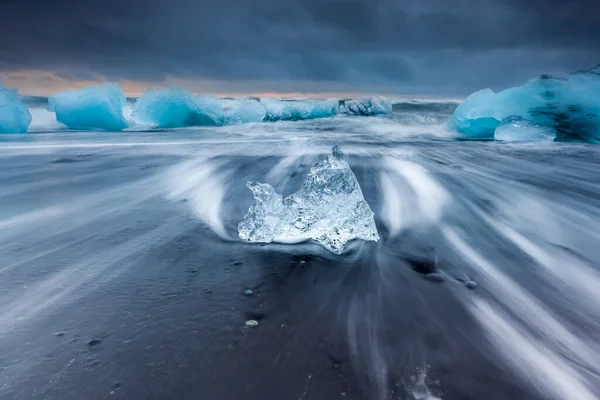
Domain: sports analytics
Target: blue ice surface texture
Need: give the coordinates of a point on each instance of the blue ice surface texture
(567, 107)
(91, 108)
(175, 108)
(367, 107)
(282, 110)
(14, 116)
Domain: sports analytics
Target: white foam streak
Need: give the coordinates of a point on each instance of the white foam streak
(582, 279)
(81, 277)
(201, 184)
(411, 196)
(549, 373)
(550, 355)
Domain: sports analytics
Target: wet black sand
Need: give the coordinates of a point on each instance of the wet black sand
(116, 290)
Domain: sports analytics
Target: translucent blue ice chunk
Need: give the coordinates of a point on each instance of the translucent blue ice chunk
(569, 106)
(14, 116)
(94, 107)
(176, 108)
(476, 116)
(281, 110)
(329, 208)
(243, 111)
(367, 107)
(518, 131)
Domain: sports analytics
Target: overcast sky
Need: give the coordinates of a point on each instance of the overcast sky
(445, 48)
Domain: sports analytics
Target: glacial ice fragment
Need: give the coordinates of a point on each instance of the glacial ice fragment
(568, 106)
(366, 107)
(243, 111)
(329, 208)
(518, 131)
(14, 116)
(475, 117)
(94, 107)
(176, 108)
(281, 110)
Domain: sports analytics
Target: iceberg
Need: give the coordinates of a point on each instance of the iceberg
(14, 116)
(243, 111)
(366, 107)
(282, 110)
(177, 108)
(569, 107)
(94, 107)
(329, 208)
(476, 117)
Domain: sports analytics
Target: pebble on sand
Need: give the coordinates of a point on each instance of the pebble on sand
(249, 292)
(471, 285)
(251, 323)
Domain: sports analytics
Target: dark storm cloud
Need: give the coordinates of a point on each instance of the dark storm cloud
(446, 46)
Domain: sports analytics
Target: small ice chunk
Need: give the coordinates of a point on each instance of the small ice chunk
(251, 323)
(14, 116)
(94, 107)
(329, 208)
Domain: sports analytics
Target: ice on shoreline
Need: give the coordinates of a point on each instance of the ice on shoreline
(329, 208)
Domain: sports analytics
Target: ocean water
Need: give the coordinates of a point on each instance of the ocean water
(130, 238)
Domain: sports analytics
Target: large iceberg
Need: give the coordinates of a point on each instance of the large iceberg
(569, 107)
(329, 208)
(14, 116)
(94, 107)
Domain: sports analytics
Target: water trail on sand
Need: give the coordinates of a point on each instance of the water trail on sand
(79, 277)
(411, 196)
(200, 182)
(545, 348)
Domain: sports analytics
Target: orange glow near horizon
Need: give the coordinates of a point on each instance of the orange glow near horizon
(40, 83)
(45, 83)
